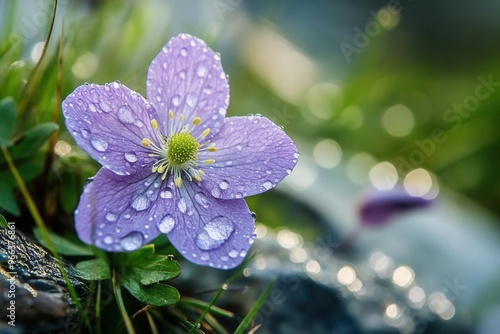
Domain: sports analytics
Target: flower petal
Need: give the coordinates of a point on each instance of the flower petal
(118, 213)
(187, 78)
(253, 155)
(109, 122)
(210, 231)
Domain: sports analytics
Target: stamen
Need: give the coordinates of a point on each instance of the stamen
(196, 121)
(170, 114)
(145, 142)
(212, 149)
(154, 124)
(178, 182)
(197, 177)
(205, 132)
(181, 117)
(209, 161)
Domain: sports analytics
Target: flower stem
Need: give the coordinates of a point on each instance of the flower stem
(121, 306)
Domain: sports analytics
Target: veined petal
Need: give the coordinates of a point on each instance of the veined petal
(119, 213)
(109, 122)
(210, 231)
(187, 78)
(253, 155)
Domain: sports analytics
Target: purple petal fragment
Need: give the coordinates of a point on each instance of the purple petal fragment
(379, 207)
(187, 78)
(210, 231)
(109, 122)
(253, 155)
(119, 213)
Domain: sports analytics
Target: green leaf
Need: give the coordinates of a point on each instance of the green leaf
(32, 140)
(8, 114)
(63, 245)
(156, 294)
(146, 267)
(3, 222)
(93, 270)
(7, 197)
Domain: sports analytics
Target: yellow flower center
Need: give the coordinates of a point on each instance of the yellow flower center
(178, 153)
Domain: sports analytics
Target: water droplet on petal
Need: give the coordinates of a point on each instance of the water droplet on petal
(130, 157)
(184, 52)
(191, 99)
(215, 233)
(125, 115)
(267, 185)
(201, 199)
(223, 184)
(243, 253)
(92, 107)
(176, 100)
(182, 74)
(111, 217)
(166, 224)
(288, 171)
(205, 256)
(201, 71)
(108, 240)
(182, 205)
(85, 133)
(99, 144)
(140, 203)
(126, 216)
(166, 194)
(296, 155)
(105, 106)
(234, 253)
(207, 90)
(254, 215)
(132, 241)
(215, 192)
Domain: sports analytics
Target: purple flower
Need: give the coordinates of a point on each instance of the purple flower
(378, 207)
(173, 163)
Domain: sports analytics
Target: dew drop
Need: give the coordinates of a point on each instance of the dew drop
(166, 194)
(254, 215)
(111, 217)
(130, 157)
(140, 203)
(238, 195)
(184, 52)
(215, 192)
(131, 241)
(201, 71)
(99, 144)
(223, 185)
(182, 74)
(85, 133)
(224, 258)
(126, 216)
(176, 100)
(205, 256)
(288, 171)
(229, 162)
(92, 107)
(105, 106)
(166, 224)
(207, 90)
(296, 155)
(108, 240)
(191, 99)
(201, 199)
(125, 115)
(182, 205)
(215, 233)
(267, 185)
(234, 253)
(243, 253)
